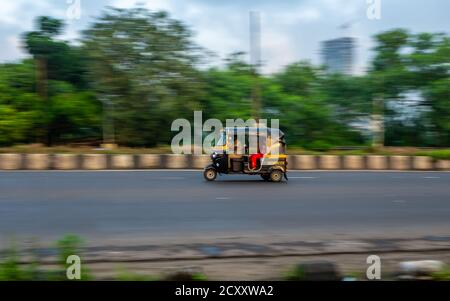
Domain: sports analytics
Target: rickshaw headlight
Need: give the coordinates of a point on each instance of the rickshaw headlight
(214, 155)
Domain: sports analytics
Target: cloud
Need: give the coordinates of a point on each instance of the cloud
(150, 4)
(299, 15)
(20, 13)
(18, 16)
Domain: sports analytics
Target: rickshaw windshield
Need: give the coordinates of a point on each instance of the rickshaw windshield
(222, 140)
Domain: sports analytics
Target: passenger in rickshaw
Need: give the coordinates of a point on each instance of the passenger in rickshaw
(261, 151)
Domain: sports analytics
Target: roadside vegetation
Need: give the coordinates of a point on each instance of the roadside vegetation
(14, 268)
(438, 154)
(20, 266)
(117, 85)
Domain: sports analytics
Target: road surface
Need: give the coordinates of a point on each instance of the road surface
(133, 204)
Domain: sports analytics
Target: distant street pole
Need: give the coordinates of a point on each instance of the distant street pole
(255, 61)
(378, 122)
(108, 123)
(42, 90)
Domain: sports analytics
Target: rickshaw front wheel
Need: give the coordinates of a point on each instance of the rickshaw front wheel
(276, 175)
(210, 174)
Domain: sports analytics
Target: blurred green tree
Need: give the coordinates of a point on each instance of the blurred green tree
(20, 109)
(228, 90)
(144, 65)
(316, 109)
(404, 71)
(55, 60)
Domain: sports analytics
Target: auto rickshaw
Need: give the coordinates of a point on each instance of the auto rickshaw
(250, 151)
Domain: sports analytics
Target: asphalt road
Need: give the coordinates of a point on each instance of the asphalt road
(110, 205)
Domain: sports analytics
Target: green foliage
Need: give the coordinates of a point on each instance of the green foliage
(299, 79)
(443, 275)
(436, 154)
(76, 116)
(49, 26)
(13, 124)
(199, 277)
(11, 268)
(142, 63)
(67, 246)
(294, 274)
(19, 106)
(228, 91)
(419, 64)
(139, 70)
(439, 96)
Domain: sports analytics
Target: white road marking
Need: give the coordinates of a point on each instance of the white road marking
(431, 177)
(222, 198)
(399, 202)
(173, 178)
(302, 177)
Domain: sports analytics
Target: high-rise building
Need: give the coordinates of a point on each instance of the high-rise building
(338, 55)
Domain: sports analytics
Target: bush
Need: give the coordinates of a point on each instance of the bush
(11, 268)
(320, 145)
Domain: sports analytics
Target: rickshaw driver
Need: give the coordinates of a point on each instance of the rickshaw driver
(239, 148)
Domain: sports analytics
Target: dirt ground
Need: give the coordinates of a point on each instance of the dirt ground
(252, 258)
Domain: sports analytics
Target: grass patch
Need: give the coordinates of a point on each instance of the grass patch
(443, 275)
(438, 154)
(443, 154)
(294, 274)
(13, 269)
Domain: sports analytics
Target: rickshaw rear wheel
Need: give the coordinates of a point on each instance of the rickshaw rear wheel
(276, 175)
(210, 174)
(266, 177)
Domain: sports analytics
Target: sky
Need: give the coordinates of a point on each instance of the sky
(291, 29)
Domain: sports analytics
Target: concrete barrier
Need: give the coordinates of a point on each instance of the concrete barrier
(422, 163)
(37, 161)
(65, 161)
(149, 161)
(176, 161)
(94, 162)
(200, 162)
(400, 162)
(122, 162)
(10, 161)
(292, 162)
(443, 165)
(152, 161)
(377, 163)
(354, 162)
(330, 162)
(305, 162)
